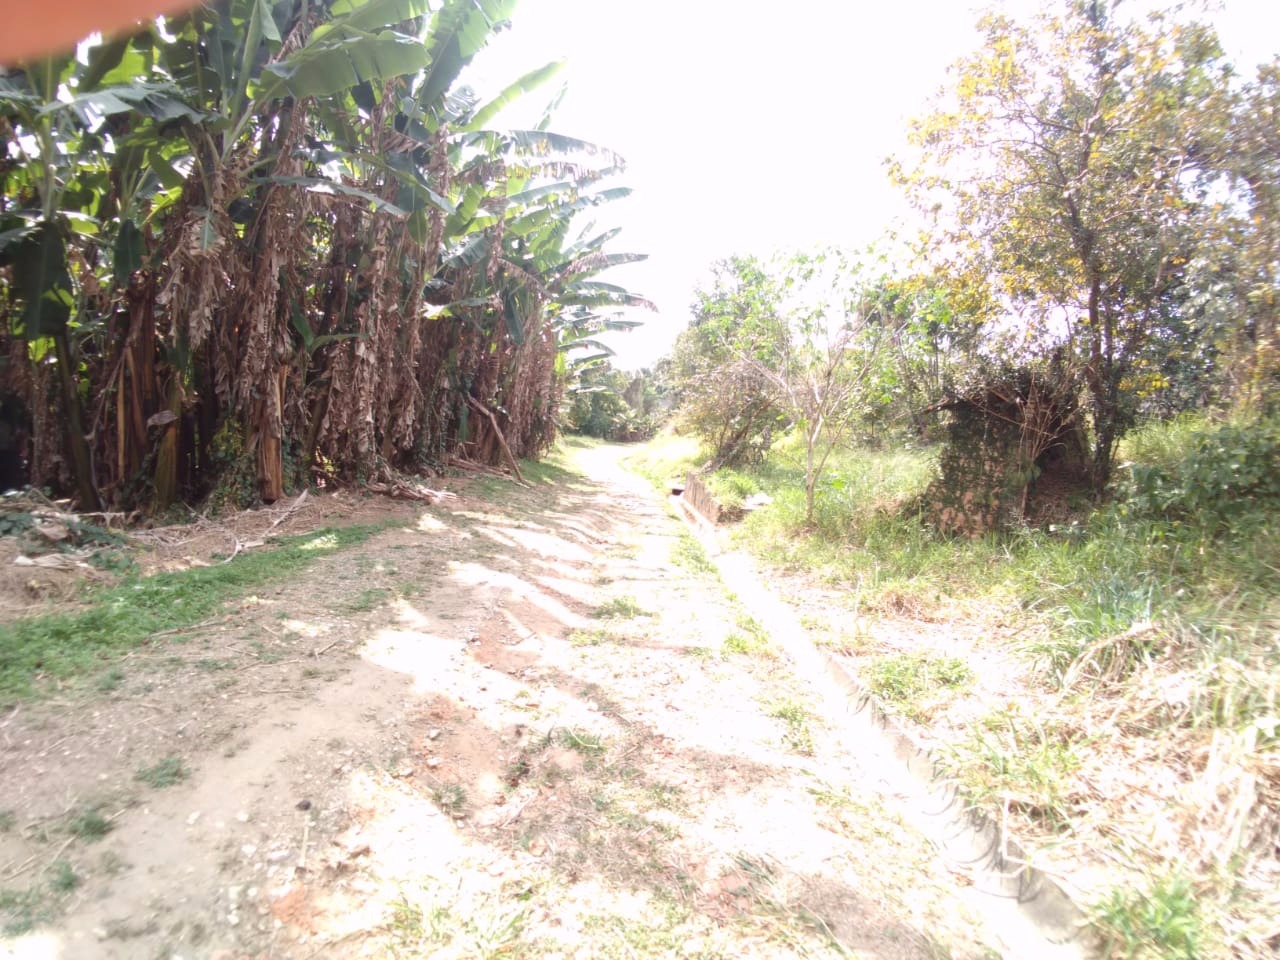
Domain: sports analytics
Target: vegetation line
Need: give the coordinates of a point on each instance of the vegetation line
(62, 646)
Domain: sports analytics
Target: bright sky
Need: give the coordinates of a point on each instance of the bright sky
(751, 127)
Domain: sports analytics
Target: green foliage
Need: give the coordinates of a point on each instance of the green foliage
(749, 640)
(62, 878)
(89, 824)
(666, 460)
(64, 645)
(619, 608)
(689, 553)
(1011, 760)
(1067, 168)
(903, 679)
(1222, 475)
(1162, 922)
(718, 364)
(165, 772)
(796, 719)
(612, 405)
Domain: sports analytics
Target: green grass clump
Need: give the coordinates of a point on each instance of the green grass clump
(689, 553)
(89, 824)
(1160, 923)
(164, 773)
(619, 608)
(749, 640)
(904, 679)
(67, 645)
(796, 719)
(1012, 760)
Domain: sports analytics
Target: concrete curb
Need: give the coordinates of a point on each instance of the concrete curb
(1030, 911)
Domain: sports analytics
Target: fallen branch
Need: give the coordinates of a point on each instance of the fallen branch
(476, 467)
(502, 440)
(404, 490)
(289, 512)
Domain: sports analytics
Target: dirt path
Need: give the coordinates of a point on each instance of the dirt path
(526, 723)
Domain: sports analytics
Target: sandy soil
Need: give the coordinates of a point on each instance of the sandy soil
(520, 723)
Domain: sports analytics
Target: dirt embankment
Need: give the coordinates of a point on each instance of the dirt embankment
(526, 722)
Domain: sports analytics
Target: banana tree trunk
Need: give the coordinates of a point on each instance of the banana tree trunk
(81, 459)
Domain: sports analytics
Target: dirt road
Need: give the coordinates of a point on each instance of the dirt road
(528, 722)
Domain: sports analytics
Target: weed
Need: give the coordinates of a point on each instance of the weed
(590, 638)
(8, 820)
(451, 798)
(795, 718)
(1162, 923)
(65, 645)
(489, 930)
(62, 878)
(689, 553)
(750, 640)
(368, 600)
(109, 680)
(1015, 761)
(264, 653)
(89, 824)
(164, 773)
(619, 608)
(21, 910)
(583, 741)
(903, 679)
(210, 664)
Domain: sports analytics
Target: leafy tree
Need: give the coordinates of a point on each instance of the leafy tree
(1239, 277)
(271, 235)
(1070, 165)
(612, 404)
(822, 355)
(794, 344)
(718, 364)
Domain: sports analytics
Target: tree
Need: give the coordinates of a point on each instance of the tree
(819, 354)
(717, 365)
(271, 236)
(795, 344)
(1071, 165)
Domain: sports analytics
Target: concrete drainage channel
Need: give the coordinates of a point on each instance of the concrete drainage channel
(1029, 912)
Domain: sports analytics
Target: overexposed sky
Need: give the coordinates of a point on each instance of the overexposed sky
(752, 127)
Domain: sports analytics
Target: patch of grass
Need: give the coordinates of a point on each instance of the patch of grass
(109, 680)
(749, 640)
(370, 599)
(1160, 923)
(666, 460)
(796, 719)
(89, 824)
(22, 910)
(211, 664)
(67, 645)
(619, 608)
(1015, 761)
(451, 798)
(266, 653)
(62, 878)
(590, 638)
(166, 772)
(689, 553)
(8, 820)
(583, 741)
(731, 488)
(490, 929)
(553, 469)
(903, 679)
